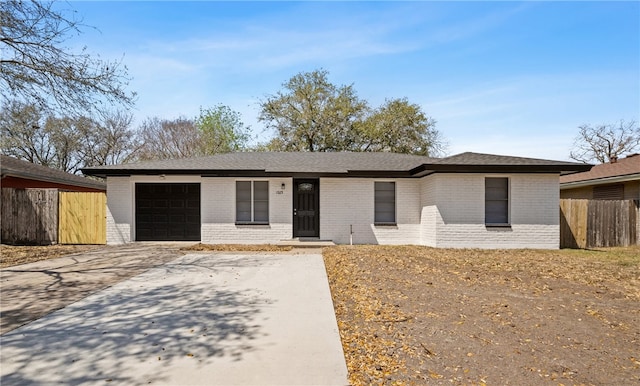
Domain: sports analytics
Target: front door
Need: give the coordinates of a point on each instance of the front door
(306, 208)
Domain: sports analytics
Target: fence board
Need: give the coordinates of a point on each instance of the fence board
(82, 218)
(29, 216)
(598, 223)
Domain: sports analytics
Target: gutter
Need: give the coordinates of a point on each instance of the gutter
(600, 181)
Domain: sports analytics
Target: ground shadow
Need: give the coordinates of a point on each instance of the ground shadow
(177, 312)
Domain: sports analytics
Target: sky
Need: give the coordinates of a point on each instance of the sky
(514, 78)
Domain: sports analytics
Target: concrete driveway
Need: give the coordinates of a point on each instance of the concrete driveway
(214, 319)
(30, 291)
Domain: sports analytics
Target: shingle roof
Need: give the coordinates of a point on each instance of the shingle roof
(321, 162)
(13, 167)
(624, 167)
(469, 158)
(334, 163)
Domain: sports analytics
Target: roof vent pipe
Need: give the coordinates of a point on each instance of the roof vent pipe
(613, 159)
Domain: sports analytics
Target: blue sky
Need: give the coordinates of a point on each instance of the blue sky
(498, 77)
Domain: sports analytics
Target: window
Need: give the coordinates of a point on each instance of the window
(608, 192)
(252, 202)
(496, 201)
(385, 203)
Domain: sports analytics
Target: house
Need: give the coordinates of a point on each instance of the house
(21, 174)
(466, 200)
(615, 180)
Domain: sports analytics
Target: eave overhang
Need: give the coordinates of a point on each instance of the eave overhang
(54, 180)
(246, 173)
(427, 169)
(417, 172)
(600, 181)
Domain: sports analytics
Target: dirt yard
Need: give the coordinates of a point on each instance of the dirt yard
(415, 315)
(11, 255)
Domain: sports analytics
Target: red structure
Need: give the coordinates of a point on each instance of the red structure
(21, 174)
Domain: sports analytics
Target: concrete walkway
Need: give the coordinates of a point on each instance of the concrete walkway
(214, 319)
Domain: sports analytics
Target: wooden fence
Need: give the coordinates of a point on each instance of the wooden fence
(599, 223)
(82, 218)
(29, 216)
(47, 216)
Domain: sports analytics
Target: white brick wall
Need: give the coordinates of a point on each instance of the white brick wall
(345, 202)
(429, 211)
(443, 210)
(119, 210)
(534, 201)
(219, 212)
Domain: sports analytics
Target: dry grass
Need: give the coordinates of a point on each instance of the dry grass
(237, 248)
(417, 315)
(11, 255)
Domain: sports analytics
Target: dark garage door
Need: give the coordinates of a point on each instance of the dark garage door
(168, 212)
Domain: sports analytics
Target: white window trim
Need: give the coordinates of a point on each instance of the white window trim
(395, 204)
(252, 190)
(498, 225)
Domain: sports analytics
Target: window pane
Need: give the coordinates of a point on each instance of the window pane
(243, 201)
(261, 201)
(252, 201)
(243, 211)
(261, 211)
(496, 201)
(497, 212)
(385, 202)
(305, 187)
(261, 190)
(243, 190)
(496, 188)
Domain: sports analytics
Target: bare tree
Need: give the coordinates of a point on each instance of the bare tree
(36, 68)
(168, 139)
(112, 141)
(606, 142)
(66, 143)
(65, 137)
(23, 135)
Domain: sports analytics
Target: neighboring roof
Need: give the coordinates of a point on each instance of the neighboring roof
(624, 169)
(12, 167)
(334, 164)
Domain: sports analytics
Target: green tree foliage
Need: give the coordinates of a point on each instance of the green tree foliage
(401, 127)
(62, 142)
(36, 67)
(602, 143)
(312, 114)
(222, 130)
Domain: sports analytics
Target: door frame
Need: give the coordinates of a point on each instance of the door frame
(316, 183)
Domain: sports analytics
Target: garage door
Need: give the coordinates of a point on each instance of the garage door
(168, 212)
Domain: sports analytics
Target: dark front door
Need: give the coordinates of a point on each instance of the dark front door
(306, 208)
(167, 212)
